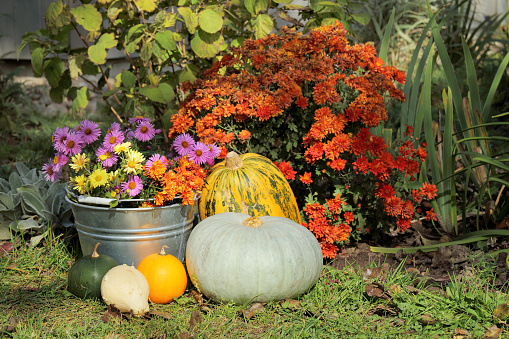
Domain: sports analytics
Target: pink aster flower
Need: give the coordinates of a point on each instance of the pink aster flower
(59, 137)
(59, 161)
(183, 144)
(50, 173)
(200, 153)
(138, 120)
(214, 150)
(72, 144)
(89, 131)
(132, 186)
(108, 158)
(112, 139)
(114, 127)
(145, 131)
(153, 159)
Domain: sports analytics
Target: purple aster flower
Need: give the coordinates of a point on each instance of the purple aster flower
(112, 139)
(59, 161)
(145, 131)
(132, 186)
(89, 131)
(108, 158)
(153, 159)
(183, 144)
(200, 153)
(214, 150)
(59, 137)
(50, 173)
(72, 144)
(129, 134)
(114, 127)
(138, 120)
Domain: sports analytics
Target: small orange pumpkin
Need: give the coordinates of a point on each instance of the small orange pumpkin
(166, 276)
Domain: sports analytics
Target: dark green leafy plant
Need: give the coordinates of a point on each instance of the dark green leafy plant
(166, 43)
(29, 203)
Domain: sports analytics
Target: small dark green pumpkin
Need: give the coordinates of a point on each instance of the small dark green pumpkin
(85, 276)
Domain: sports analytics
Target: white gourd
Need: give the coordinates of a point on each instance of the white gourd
(126, 288)
(233, 257)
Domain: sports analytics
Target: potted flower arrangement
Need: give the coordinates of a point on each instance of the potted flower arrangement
(310, 103)
(149, 192)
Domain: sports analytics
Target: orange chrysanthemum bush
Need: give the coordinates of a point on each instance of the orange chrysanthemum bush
(308, 103)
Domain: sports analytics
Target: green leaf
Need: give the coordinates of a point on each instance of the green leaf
(207, 45)
(52, 12)
(97, 53)
(37, 59)
(114, 10)
(153, 93)
(190, 18)
(146, 51)
(362, 18)
(165, 40)
(189, 73)
(88, 17)
(53, 69)
(256, 6)
(139, 28)
(79, 98)
(33, 201)
(7, 200)
(128, 79)
(146, 5)
(75, 65)
(210, 21)
(5, 231)
(386, 38)
(262, 25)
(167, 91)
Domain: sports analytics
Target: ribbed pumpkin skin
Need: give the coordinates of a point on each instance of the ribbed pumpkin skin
(259, 184)
(228, 261)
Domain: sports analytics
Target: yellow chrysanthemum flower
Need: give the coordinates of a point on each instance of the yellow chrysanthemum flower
(79, 161)
(99, 177)
(80, 184)
(134, 162)
(113, 176)
(123, 147)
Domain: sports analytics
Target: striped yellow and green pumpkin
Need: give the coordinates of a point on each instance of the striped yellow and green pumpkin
(249, 183)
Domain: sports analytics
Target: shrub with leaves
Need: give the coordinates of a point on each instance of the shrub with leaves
(165, 41)
(308, 102)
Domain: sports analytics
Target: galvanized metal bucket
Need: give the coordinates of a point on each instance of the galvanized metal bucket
(130, 234)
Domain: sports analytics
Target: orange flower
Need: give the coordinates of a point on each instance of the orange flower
(430, 215)
(429, 191)
(244, 135)
(306, 178)
(286, 168)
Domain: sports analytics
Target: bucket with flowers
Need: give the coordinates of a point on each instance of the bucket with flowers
(125, 192)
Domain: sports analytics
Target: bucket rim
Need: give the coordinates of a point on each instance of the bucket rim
(101, 208)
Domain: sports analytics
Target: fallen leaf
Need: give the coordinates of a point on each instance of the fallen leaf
(111, 313)
(290, 303)
(382, 310)
(164, 315)
(492, 332)
(196, 319)
(373, 273)
(427, 319)
(460, 333)
(184, 335)
(6, 248)
(253, 310)
(11, 326)
(395, 289)
(375, 290)
(413, 290)
(501, 311)
(198, 297)
(114, 336)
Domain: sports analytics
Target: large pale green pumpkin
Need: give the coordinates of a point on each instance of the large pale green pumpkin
(238, 258)
(249, 183)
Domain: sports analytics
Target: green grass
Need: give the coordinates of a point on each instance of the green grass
(34, 300)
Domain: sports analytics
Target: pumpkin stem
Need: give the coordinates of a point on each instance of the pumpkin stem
(233, 161)
(162, 250)
(253, 222)
(94, 253)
